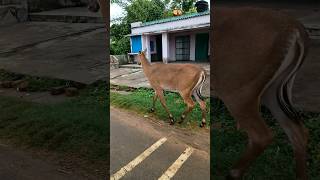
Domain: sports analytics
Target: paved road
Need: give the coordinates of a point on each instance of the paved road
(68, 51)
(21, 165)
(131, 135)
(306, 89)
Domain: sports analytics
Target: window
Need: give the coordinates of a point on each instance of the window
(182, 48)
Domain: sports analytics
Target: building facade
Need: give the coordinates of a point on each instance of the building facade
(175, 39)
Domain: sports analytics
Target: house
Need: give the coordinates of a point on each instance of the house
(175, 39)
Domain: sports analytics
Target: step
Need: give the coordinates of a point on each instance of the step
(71, 15)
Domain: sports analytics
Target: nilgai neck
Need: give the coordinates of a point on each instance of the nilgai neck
(145, 64)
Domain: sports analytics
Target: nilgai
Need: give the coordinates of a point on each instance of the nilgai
(257, 54)
(187, 79)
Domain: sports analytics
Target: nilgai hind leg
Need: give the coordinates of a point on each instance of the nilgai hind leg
(154, 100)
(186, 96)
(203, 107)
(259, 135)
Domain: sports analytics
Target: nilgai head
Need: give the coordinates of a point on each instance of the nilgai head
(93, 5)
(141, 55)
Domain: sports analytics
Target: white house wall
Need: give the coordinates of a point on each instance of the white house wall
(172, 44)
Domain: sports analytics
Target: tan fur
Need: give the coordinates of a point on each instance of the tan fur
(180, 77)
(252, 60)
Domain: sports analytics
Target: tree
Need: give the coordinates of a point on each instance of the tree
(144, 11)
(184, 5)
(137, 10)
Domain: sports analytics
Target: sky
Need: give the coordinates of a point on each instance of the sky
(116, 11)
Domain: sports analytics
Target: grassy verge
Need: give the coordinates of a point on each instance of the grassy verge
(277, 162)
(35, 83)
(78, 126)
(140, 100)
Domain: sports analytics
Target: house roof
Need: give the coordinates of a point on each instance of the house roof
(176, 18)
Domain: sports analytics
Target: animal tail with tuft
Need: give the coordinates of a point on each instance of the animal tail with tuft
(284, 94)
(198, 87)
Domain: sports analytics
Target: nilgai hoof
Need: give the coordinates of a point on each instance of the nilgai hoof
(171, 121)
(181, 120)
(203, 124)
(151, 110)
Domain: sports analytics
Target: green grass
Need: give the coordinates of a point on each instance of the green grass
(227, 144)
(35, 83)
(140, 100)
(77, 126)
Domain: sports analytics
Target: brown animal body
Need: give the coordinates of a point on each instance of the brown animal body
(257, 53)
(187, 79)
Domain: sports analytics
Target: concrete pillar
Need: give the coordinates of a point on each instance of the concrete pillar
(192, 47)
(148, 48)
(165, 47)
(143, 39)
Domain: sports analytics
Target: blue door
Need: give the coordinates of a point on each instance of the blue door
(136, 44)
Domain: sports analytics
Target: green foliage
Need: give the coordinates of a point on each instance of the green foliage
(184, 5)
(144, 11)
(136, 10)
(120, 46)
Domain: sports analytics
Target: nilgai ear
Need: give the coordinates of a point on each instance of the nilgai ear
(145, 50)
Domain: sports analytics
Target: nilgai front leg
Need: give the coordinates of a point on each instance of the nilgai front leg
(159, 92)
(154, 100)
